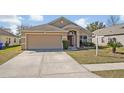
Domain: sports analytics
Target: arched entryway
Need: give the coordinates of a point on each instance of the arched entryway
(72, 38)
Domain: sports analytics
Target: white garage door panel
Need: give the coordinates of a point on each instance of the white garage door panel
(44, 42)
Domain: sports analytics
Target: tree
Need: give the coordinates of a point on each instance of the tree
(20, 28)
(95, 26)
(113, 20)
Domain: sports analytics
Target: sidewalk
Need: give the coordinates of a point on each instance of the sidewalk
(105, 66)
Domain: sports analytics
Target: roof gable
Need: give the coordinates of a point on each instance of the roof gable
(78, 28)
(61, 22)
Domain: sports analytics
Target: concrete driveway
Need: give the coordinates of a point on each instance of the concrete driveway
(43, 64)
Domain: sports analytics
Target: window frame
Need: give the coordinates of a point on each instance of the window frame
(103, 39)
(14, 40)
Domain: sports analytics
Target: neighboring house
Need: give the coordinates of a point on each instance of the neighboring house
(51, 35)
(107, 34)
(7, 37)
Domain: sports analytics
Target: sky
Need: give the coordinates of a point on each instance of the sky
(13, 21)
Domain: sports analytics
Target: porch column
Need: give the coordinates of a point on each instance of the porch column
(75, 40)
(78, 40)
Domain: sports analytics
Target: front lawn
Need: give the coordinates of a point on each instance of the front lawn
(104, 56)
(111, 73)
(9, 53)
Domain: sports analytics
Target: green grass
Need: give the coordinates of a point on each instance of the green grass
(104, 56)
(111, 73)
(9, 53)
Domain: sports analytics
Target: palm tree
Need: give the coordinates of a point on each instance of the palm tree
(114, 44)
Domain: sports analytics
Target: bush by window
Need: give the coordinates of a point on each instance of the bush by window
(6, 44)
(86, 44)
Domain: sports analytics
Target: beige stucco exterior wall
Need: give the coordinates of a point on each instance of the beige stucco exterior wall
(3, 39)
(99, 41)
(119, 38)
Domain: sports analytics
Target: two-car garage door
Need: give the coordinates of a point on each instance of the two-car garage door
(44, 41)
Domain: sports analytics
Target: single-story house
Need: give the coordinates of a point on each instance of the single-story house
(109, 33)
(51, 35)
(8, 38)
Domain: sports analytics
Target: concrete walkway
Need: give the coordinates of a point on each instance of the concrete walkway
(44, 64)
(106, 66)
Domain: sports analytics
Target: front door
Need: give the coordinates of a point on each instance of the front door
(70, 40)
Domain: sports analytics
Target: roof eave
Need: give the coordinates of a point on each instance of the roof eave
(43, 31)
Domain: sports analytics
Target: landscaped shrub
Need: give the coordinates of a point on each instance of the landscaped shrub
(114, 44)
(119, 44)
(103, 47)
(65, 44)
(87, 44)
(6, 44)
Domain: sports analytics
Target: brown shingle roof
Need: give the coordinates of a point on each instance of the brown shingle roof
(61, 24)
(76, 27)
(45, 27)
(6, 33)
(113, 30)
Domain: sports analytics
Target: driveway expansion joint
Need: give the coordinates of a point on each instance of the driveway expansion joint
(41, 65)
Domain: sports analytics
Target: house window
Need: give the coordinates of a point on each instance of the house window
(81, 37)
(85, 37)
(14, 40)
(114, 39)
(102, 40)
(9, 40)
(111, 39)
(72, 33)
(61, 22)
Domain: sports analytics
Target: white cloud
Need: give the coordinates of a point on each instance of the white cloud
(11, 21)
(13, 28)
(121, 17)
(36, 18)
(82, 22)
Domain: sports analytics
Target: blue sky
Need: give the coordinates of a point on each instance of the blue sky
(73, 18)
(12, 21)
